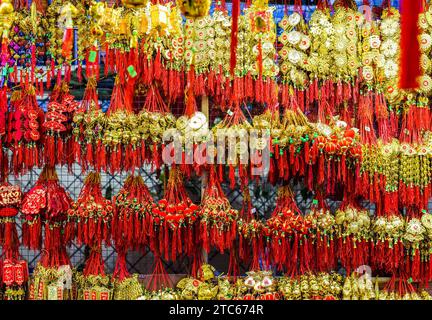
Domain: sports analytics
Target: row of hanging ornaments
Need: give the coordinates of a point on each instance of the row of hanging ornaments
(290, 241)
(325, 146)
(332, 57)
(361, 90)
(175, 223)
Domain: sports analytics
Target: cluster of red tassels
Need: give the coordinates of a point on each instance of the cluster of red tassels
(320, 160)
(93, 151)
(57, 136)
(131, 220)
(289, 247)
(13, 270)
(44, 209)
(218, 219)
(89, 219)
(10, 201)
(174, 222)
(24, 133)
(211, 83)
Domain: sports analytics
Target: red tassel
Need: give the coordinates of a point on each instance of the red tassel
(79, 72)
(232, 176)
(59, 150)
(410, 47)
(415, 265)
(89, 154)
(234, 30)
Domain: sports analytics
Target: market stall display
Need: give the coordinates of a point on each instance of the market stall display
(327, 104)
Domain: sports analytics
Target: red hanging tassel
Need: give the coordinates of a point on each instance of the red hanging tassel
(234, 31)
(159, 278)
(410, 47)
(232, 176)
(233, 269)
(415, 265)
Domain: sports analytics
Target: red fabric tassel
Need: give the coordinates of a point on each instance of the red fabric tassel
(410, 47)
(234, 30)
(232, 176)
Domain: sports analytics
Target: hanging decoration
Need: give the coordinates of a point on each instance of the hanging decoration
(58, 143)
(25, 120)
(410, 45)
(173, 223)
(14, 272)
(233, 130)
(89, 218)
(290, 240)
(353, 236)
(294, 59)
(218, 219)
(44, 210)
(334, 107)
(132, 210)
(194, 8)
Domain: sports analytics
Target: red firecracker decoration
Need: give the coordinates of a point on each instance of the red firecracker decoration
(25, 129)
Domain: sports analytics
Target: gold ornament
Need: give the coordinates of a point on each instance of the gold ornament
(193, 9)
(134, 3)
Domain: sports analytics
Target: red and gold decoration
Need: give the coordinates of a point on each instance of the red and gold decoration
(174, 224)
(13, 269)
(336, 104)
(194, 8)
(218, 219)
(44, 209)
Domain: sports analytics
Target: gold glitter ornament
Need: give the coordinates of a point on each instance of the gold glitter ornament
(294, 54)
(192, 9)
(260, 21)
(322, 40)
(388, 73)
(134, 4)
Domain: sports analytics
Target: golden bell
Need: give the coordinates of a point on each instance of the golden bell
(123, 26)
(97, 31)
(134, 3)
(144, 25)
(159, 16)
(194, 8)
(6, 7)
